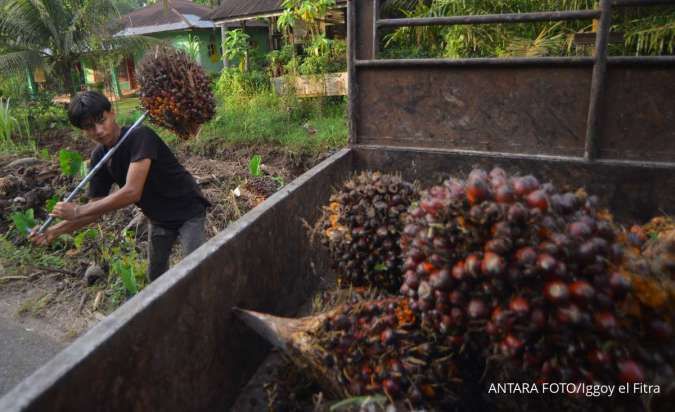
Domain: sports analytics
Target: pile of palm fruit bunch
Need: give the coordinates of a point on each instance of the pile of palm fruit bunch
(175, 90)
(361, 227)
(504, 279)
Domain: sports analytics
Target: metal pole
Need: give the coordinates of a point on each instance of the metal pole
(376, 18)
(352, 88)
(490, 18)
(598, 81)
(95, 169)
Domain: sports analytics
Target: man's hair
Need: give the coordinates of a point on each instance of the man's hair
(86, 108)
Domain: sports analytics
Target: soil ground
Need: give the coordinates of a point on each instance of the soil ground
(52, 305)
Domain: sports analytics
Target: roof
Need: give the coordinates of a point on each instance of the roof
(237, 10)
(179, 15)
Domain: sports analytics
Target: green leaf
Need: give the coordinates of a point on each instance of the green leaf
(380, 267)
(84, 235)
(70, 162)
(126, 272)
(24, 221)
(44, 154)
(254, 165)
(51, 202)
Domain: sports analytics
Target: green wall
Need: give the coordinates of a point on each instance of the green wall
(203, 37)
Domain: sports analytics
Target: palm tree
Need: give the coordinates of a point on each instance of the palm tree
(57, 34)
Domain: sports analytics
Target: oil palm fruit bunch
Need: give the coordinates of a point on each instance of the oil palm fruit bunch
(372, 347)
(529, 267)
(649, 263)
(263, 185)
(175, 90)
(361, 227)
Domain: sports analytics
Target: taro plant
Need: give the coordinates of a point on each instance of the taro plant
(254, 165)
(71, 163)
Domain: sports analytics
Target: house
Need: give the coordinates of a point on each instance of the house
(246, 12)
(183, 24)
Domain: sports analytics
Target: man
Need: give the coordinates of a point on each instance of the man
(148, 175)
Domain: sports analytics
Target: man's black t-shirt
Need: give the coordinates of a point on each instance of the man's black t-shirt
(170, 195)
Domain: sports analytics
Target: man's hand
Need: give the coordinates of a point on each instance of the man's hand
(65, 210)
(44, 238)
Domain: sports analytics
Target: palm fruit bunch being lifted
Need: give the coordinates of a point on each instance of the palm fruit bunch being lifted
(361, 227)
(532, 271)
(175, 91)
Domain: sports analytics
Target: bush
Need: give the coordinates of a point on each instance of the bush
(234, 82)
(301, 125)
(42, 114)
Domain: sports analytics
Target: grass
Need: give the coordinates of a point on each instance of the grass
(17, 260)
(301, 125)
(127, 106)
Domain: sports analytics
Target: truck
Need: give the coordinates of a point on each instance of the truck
(601, 122)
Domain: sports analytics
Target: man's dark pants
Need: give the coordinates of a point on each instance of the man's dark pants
(161, 239)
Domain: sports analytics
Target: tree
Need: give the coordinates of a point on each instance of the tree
(57, 34)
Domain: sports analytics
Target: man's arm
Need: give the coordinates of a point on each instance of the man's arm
(128, 194)
(63, 227)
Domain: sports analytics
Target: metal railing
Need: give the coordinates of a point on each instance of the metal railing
(599, 60)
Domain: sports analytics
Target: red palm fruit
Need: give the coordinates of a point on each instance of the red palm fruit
(538, 199)
(456, 298)
(492, 264)
(519, 305)
(619, 283)
(497, 172)
(412, 280)
(458, 271)
(582, 291)
(472, 265)
(570, 313)
(579, 230)
(500, 246)
(606, 321)
(442, 280)
(599, 357)
(546, 262)
(524, 185)
(476, 191)
(387, 337)
(630, 372)
(517, 213)
(556, 291)
(511, 345)
(476, 309)
(526, 256)
(500, 317)
(504, 194)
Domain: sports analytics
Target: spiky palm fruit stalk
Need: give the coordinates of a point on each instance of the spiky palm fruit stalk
(175, 90)
(375, 347)
(361, 227)
(530, 268)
